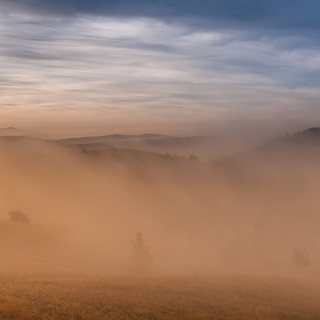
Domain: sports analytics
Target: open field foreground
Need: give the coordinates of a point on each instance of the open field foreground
(159, 298)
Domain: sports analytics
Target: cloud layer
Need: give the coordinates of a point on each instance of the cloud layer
(151, 61)
(284, 13)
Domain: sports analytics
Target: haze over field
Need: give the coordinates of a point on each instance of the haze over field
(245, 214)
(173, 104)
(159, 159)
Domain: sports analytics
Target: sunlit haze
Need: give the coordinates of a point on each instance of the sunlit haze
(159, 159)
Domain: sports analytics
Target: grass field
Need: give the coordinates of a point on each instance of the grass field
(159, 298)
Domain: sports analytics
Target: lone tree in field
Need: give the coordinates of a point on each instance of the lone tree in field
(300, 258)
(141, 254)
(18, 216)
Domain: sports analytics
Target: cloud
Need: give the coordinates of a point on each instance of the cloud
(271, 13)
(159, 60)
(256, 19)
(147, 59)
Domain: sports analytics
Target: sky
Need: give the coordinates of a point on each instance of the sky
(80, 67)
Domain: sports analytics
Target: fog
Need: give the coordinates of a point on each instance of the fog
(245, 214)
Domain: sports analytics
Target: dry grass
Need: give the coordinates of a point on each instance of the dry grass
(159, 298)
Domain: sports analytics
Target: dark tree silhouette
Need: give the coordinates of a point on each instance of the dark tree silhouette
(18, 216)
(142, 256)
(300, 258)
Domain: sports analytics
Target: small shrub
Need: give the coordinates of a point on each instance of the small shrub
(18, 216)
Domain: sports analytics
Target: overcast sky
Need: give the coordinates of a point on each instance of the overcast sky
(180, 67)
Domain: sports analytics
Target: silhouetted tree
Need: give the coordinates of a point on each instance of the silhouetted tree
(18, 216)
(300, 258)
(142, 256)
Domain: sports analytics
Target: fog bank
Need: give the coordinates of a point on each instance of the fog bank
(242, 214)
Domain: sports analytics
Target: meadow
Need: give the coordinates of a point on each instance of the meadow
(182, 297)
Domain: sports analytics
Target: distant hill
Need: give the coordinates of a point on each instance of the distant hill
(206, 146)
(183, 146)
(302, 143)
(110, 138)
(24, 140)
(201, 146)
(8, 128)
(18, 139)
(310, 136)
